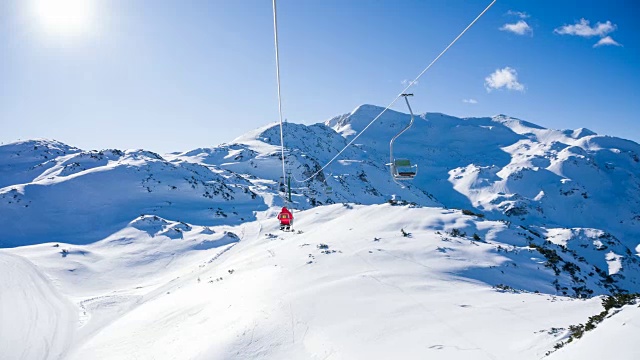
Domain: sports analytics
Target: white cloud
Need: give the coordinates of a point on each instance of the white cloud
(520, 28)
(470, 101)
(503, 78)
(406, 82)
(582, 28)
(607, 40)
(520, 14)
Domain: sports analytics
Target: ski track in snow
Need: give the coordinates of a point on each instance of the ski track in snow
(37, 322)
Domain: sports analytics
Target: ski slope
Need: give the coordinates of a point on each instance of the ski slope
(38, 322)
(141, 294)
(128, 254)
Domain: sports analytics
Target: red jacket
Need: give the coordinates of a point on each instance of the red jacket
(285, 216)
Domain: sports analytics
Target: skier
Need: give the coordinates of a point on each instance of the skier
(286, 219)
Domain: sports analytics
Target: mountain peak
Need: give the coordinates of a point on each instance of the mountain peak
(38, 144)
(360, 117)
(514, 123)
(368, 109)
(580, 133)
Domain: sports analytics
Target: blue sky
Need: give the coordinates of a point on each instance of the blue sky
(170, 75)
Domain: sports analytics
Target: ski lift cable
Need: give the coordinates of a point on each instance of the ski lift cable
(275, 34)
(399, 95)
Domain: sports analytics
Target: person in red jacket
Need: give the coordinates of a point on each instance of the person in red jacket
(286, 219)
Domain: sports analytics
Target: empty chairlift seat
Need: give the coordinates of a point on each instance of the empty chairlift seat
(403, 170)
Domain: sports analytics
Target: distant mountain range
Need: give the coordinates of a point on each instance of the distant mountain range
(501, 167)
(503, 233)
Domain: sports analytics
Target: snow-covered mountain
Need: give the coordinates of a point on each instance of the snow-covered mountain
(83, 196)
(502, 165)
(510, 234)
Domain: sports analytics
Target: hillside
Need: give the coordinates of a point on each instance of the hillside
(84, 196)
(510, 234)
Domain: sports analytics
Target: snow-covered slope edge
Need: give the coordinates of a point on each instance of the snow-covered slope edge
(348, 283)
(37, 321)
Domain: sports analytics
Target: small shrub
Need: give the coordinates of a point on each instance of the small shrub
(551, 255)
(504, 287)
(457, 233)
(619, 300)
(571, 268)
(576, 331)
(471, 213)
(609, 302)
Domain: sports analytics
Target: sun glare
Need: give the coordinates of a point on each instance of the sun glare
(64, 17)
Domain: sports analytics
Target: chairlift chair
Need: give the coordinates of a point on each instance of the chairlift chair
(402, 169)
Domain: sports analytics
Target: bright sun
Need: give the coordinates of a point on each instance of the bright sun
(64, 17)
